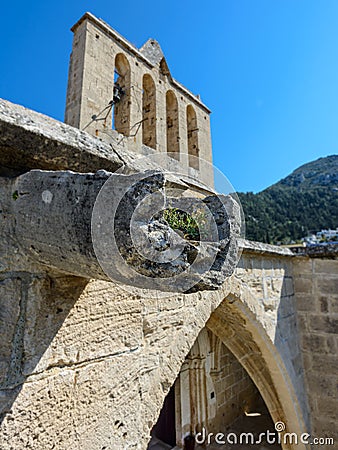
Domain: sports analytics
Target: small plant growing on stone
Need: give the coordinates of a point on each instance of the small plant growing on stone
(182, 222)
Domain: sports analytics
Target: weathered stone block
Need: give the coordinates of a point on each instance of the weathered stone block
(312, 342)
(62, 221)
(333, 304)
(327, 406)
(319, 384)
(327, 285)
(303, 285)
(326, 427)
(324, 363)
(325, 266)
(306, 302)
(324, 324)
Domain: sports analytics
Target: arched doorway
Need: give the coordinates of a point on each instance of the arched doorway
(213, 395)
(235, 326)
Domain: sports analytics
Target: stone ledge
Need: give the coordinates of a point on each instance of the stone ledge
(30, 140)
(261, 248)
(318, 251)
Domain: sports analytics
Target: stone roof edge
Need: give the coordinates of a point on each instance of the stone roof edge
(327, 250)
(32, 140)
(127, 44)
(39, 137)
(264, 249)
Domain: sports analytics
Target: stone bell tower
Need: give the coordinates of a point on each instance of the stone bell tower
(128, 96)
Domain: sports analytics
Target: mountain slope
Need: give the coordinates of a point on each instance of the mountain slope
(304, 201)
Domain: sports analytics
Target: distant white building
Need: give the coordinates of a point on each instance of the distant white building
(328, 234)
(312, 239)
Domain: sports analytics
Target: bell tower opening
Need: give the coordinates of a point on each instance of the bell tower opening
(192, 135)
(149, 112)
(121, 95)
(173, 143)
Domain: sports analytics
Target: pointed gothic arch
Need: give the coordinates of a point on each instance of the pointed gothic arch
(237, 328)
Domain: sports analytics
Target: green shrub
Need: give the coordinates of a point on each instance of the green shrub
(180, 220)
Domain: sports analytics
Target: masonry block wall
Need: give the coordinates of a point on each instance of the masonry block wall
(271, 279)
(235, 392)
(153, 112)
(316, 285)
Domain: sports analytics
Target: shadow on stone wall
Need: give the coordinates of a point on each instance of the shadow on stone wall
(287, 342)
(33, 307)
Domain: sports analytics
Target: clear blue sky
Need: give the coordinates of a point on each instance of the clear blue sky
(268, 70)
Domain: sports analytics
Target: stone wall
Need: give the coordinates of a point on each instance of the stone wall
(316, 285)
(235, 392)
(85, 364)
(93, 364)
(265, 286)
